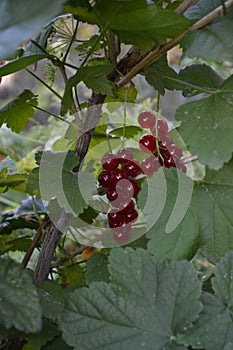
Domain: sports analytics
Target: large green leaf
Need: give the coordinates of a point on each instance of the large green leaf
(19, 302)
(211, 118)
(19, 23)
(212, 42)
(159, 206)
(94, 77)
(144, 306)
(212, 205)
(17, 112)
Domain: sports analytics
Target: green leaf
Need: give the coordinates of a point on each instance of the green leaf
(212, 206)
(19, 302)
(94, 77)
(131, 27)
(213, 329)
(17, 112)
(32, 184)
(20, 243)
(48, 332)
(21, 23)
(211, 117)
(97, 268)
(158, 202)
(57, 343)
(57, 180)
(211, 43)
(144, 305)
(162, 77)
(29, 55)
(223, 281)
(13, 180)
(201, 77)
(9, 164)
(10, 222)
(128, 131)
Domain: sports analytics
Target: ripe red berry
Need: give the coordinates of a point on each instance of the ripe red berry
(146, 120)
(112, 194)
(118, 175)
(104, 179)
(147, 143)
(121, 234)
(110, 162)
(131, 217)
(125, 154)
(150, 165)
(162, 128)
(132, 168)
(136, 187)
(175, 150)
(128, 208)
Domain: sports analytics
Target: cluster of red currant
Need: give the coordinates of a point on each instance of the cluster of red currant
(120, 171)
(163, 151)
(117, 177)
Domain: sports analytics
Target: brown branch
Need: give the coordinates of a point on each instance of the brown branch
(186, 4)
(159, 51)
(35, 241)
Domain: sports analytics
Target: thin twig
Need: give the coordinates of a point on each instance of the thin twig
(186, 4)
(189, 159)
(35, 241)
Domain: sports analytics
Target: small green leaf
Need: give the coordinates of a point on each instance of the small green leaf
(13, 180)
(128, 131)
(57, 343)
(48, 332)
(17, 112)
(94, 77)
(19, 302)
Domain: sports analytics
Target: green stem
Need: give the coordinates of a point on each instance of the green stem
(44, 83)
(50, 113)
(71, 41)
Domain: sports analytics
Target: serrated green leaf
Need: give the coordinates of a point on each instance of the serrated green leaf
(211, 43)
(21, 23)
(20, 243)
(13, 180)
(142, 307)
(9, 164)
(97, 268)
(212, 206)
(213, 329)
(48, 332)
(201, 77)
(32, 184)
(57, 343)
(211, 117)
(162, 77)
(19, 302)
(17, 112)
(94, 77)
(223, 281)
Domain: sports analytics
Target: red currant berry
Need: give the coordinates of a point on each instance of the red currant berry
(162, 128)
(132, 168)
(131, 217)
(175, 150)
(146, 120)
(110, 162)
(150, 165)
(125, 154)
(104, 179)
(118, 175)
(128, 208)
(169, 162)
(112, 194)
(165, 142)
(147, 143)
(121, 234)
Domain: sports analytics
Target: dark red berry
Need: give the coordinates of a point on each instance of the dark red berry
(104, 179)
(112, 194)
(128, 208)
(132, 168)
(147, 143)
(146, 120)
(131, 217)
(118, 175)
(175, 150)
(125, 154)
(169, 162)
(165, 142)
(110, 162)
